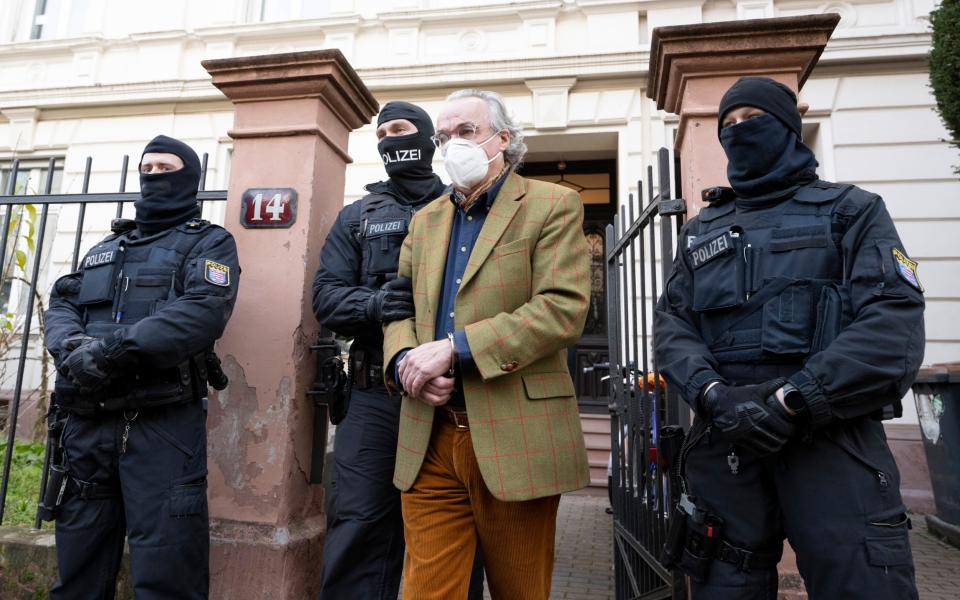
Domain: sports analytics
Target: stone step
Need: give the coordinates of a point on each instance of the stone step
(596, 437)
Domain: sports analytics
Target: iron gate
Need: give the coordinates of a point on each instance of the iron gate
(20, 264)
(639, 255)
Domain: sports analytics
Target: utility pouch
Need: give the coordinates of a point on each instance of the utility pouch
(99, 281)
(834, 313)
(719, 271)
(381, 249)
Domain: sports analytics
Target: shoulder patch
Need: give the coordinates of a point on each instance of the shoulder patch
(215, 273)
(907, 269)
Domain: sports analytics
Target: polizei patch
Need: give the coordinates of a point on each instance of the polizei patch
(215, 273)
(102, 258)
(386, 228)
(907, 269)
(707, 251)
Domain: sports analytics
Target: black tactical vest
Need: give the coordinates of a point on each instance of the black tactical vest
(384, 222)
(768, 282)
(126, 280)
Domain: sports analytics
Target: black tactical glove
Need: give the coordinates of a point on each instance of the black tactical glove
(392, 302)
(749, 415)
(70, 344)
(87, 366)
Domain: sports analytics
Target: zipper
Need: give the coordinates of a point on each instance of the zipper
(880, 474)
(688, 445)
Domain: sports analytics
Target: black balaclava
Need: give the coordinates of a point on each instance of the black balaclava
(764, 154)
(168, 199)
(407, 158)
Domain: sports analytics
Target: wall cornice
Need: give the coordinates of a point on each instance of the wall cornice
(898, 50)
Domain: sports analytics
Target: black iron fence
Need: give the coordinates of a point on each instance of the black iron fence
(22, 248)
(639, 254)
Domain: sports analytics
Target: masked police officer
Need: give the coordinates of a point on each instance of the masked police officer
(355, 291)
(792, 323)
(132, 334)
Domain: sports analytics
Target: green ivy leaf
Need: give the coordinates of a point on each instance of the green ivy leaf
(21, 257)
(32, 209)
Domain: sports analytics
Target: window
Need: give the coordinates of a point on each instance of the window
(21, 247)
(59, 18)
(31, 177)
(288, 10)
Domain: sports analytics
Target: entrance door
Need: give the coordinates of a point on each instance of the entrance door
(595, 180)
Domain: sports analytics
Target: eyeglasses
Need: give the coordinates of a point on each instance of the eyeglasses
(466, 131)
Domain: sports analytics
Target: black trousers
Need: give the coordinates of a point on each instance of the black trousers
(155, 494)
(363, 549)
(835, 496)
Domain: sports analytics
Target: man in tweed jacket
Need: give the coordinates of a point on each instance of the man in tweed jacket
(489, 428)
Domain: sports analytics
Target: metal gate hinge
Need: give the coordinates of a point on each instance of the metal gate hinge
(674, 206)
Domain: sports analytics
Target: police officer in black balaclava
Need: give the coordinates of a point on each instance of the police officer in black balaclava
(355, 291)
(132, 335)
(792, 323)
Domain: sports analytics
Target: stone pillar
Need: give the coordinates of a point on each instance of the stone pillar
(293, 115)
(691, 66)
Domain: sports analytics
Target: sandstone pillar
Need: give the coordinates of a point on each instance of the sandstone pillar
(691, 66)
(293, 115)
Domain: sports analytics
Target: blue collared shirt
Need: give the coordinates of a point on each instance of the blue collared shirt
(463, 237)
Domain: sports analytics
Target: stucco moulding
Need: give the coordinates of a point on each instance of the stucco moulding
(734, 47)
(323, 74)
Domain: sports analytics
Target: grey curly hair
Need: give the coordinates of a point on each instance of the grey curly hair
(499, 120)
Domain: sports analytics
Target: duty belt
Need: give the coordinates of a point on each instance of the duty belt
(745, 560)
(90, 491)
(366, 376)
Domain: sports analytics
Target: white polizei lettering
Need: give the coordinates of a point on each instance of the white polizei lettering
(98, 259)
(709, 250)
(401, 156)
(377, 228)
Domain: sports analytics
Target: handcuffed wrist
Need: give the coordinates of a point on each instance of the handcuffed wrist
(453, 356)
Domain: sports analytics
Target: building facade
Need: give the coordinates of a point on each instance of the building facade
(98, 78)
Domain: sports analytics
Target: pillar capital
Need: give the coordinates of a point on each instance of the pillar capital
(691, 66)
(323, 74)
(733, 49)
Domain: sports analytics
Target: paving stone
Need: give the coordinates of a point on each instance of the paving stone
(584, 555)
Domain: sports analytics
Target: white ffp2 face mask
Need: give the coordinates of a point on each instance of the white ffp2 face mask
(466, 162)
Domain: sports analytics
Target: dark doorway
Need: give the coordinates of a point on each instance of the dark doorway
(596, 181)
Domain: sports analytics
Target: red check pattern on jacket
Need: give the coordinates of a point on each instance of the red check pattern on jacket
(522, 301)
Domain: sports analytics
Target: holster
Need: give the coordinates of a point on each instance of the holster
(327, 393)
(55, 482)
(693, 540)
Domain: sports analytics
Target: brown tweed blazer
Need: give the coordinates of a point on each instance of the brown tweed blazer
(522, 302)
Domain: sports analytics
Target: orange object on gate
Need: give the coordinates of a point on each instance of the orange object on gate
(650, 380)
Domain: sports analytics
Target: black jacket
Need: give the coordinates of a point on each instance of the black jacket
(823, 237)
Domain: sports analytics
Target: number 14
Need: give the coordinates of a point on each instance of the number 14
(274, 207)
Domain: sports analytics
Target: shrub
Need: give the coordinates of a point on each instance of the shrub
(945, 66)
